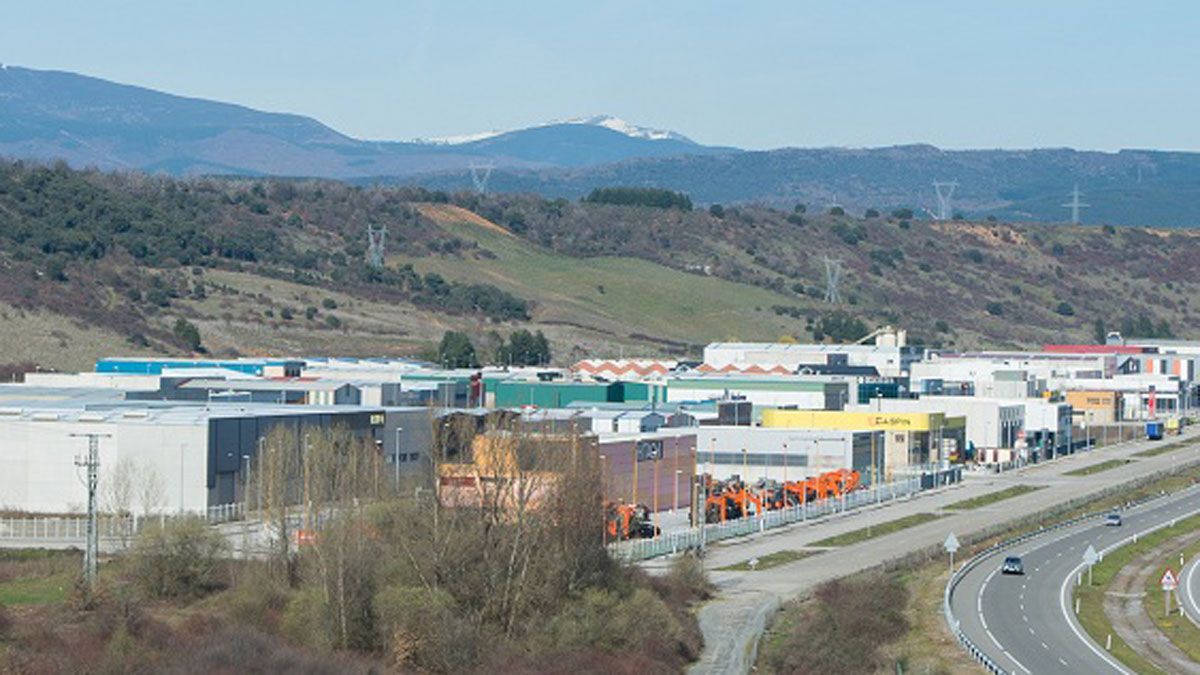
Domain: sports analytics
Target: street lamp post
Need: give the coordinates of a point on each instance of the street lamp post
(675, 498)
(396, 457)
(182, 448)
(246, 483)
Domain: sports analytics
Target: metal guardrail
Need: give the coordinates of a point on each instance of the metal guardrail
(948, 613)
(634, 550)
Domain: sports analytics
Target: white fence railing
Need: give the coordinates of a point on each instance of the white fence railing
(70, 529)
(668, 543)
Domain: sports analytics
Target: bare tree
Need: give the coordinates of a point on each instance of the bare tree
(151, 489)
(118, 486)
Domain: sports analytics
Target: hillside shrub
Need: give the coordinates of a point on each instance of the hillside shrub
(635, 196)
(179, 559)
(841, 629)
(188, 334)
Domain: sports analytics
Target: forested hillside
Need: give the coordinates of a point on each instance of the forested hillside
(275, 266)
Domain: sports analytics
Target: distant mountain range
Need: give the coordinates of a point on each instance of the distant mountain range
(92, 122)
(49, 115)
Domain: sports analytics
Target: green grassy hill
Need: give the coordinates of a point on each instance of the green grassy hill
(94, 264)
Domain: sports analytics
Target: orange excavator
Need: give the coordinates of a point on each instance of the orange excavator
(727, 500)
(732, 499)
(628, 521)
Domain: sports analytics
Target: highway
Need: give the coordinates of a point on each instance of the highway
(1189, 590)
(1026, 624)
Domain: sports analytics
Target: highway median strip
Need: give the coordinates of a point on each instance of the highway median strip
(1097, 468)
(873, 531)
(769, 560)
(1163, 449)
(992, 498)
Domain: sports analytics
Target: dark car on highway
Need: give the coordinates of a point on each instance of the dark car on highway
(1012, 565)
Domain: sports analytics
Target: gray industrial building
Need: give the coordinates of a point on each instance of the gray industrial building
(199, 453)
(786, 454)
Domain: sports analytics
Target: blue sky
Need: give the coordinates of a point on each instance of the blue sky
(1013, 73)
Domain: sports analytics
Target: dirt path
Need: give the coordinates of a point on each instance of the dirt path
(1124, 608)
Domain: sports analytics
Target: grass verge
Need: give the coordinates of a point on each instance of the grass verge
(1097, 468)
(872, 531)
(36, 591)
(37, 577)
(1177, 627)
(992, 498)
(1162, 449)
(770, 560)
(1091, 595)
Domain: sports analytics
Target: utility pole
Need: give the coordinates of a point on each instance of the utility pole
(92, 463)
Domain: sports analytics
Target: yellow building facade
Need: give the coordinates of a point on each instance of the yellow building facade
(911, 438)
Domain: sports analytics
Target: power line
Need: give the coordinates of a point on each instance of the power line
(91, 462)
(1075, 205)
(480, 175)
(376, 239)
(833, 278)
(945, 197)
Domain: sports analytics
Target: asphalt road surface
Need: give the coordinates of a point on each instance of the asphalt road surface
(1189, 590)
(1027, 624)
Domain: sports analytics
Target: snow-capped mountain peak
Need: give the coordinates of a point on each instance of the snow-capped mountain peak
(606, 121)
(632, 130)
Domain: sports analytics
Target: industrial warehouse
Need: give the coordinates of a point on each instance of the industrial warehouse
(663, 432)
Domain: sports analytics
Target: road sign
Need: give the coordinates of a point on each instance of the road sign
(951, 544)
(1168, 581)
(1090, 557)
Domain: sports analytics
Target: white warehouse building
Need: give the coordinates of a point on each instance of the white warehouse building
(785, 454)
(198, 455)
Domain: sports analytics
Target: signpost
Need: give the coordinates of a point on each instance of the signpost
(1090, 557)
(951, 545)
(1169, 583)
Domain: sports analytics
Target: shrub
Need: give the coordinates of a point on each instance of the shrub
(995, 309)
(423, 629)
(305, 620)
(634, 196)
(974, 255)
(1065, 309)
(608, 621)
(837, 211)
(187, 333)
(329, 303)
(871, 213)
(842, 628)
(182, 558)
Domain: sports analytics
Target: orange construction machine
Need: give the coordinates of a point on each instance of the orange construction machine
(628, 521)
(727, 500)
